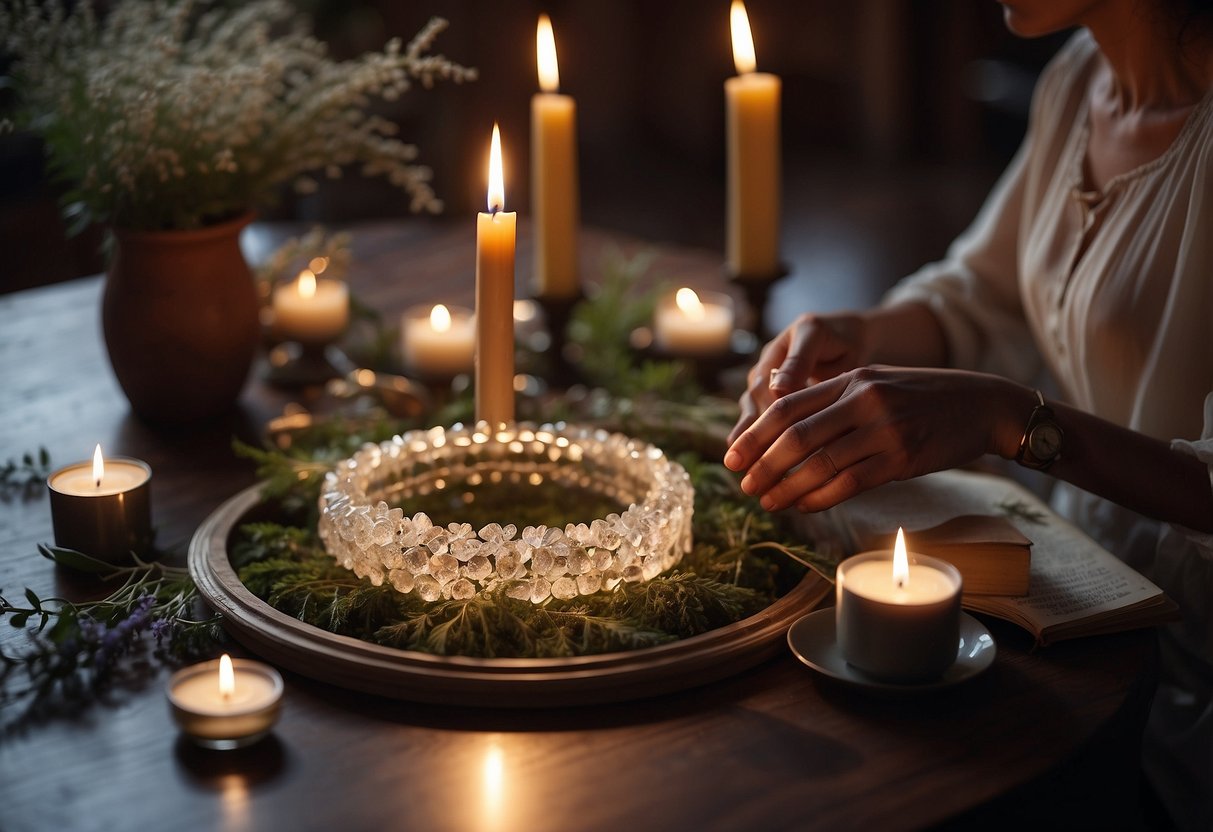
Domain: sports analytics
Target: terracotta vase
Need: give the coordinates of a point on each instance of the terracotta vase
(180, 316)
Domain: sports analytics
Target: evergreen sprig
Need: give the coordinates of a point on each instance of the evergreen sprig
(602, 329)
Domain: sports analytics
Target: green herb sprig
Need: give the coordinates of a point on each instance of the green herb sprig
(1020, 509)
(25, 478)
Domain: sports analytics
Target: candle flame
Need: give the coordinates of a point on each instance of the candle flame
(901, 563)
(98, 466)
(440, 318)
(227, 677)
(545, 55)
(307, 283)
(743, 40)
(689, 303)
(496, 179)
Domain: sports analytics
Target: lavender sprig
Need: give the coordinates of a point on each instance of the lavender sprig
(77, 652)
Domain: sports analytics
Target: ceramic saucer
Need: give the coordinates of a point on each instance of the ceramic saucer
(813, 641)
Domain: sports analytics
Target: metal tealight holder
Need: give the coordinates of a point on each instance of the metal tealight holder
(296, 364)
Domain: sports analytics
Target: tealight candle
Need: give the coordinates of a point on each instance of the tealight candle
(897, 617)
(438, 342)
(311, 310)
(103, 508)
(227, 703)
(690, 324)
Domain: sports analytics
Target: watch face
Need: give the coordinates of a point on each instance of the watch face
(1045, 440)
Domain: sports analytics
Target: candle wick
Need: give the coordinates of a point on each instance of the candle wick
(901, 583)
(98, 484)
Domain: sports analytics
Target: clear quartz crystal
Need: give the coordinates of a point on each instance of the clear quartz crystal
(363, 533)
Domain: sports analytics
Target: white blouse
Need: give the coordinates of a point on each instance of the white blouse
(1112, 292)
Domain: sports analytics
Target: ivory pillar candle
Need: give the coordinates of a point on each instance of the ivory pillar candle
(686, 324)
(103, 507)
(752, 102)
(438, 342)
(227, 703)
(898, 619)
(553, 176)
(311, 310)
(495, 237)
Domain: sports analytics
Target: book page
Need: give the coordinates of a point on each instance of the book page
(1072, 577)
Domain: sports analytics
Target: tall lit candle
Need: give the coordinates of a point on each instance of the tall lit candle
(898, 618)
(103, 508)
(553, 175)
(752, 108)
(495, 236)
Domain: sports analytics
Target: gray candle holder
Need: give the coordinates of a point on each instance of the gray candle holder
(108, 527)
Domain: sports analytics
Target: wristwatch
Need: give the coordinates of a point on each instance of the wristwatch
(1041, 443)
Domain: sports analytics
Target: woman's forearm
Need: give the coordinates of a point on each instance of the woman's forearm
(1122, 465)
(1129, 468)
(906, 334)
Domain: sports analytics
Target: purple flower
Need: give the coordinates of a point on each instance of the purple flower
(111, 642)
(161, 628)
(91, 630)
(113, 638)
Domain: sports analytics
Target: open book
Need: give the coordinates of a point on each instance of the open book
(1076, 587)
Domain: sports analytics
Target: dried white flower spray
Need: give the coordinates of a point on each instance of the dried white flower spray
(177, 113)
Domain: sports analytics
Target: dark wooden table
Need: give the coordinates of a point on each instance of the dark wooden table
(1051, 733)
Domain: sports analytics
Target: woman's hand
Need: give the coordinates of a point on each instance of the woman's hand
(828, 442)
(813, 348)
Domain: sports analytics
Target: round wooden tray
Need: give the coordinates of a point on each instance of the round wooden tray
(514, 683)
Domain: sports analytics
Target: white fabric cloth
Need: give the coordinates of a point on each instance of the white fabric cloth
(1113, 293)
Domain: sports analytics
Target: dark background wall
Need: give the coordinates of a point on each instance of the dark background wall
(886, 102)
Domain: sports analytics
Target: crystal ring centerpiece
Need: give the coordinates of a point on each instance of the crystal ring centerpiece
(365, 528)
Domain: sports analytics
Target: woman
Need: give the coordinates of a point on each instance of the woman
(1093, 256)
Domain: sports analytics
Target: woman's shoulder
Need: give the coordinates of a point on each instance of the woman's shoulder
(1203, 122)
(1063, 81)
(1076, 52)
